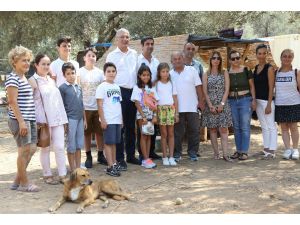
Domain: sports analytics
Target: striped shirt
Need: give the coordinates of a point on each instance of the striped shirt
(25, 97)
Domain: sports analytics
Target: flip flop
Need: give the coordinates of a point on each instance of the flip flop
(28, 188)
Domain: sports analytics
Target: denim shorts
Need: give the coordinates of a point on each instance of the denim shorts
(112, 134)
(75, 135)
(30, 138)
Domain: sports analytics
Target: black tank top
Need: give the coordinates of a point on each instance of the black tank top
(261, 83)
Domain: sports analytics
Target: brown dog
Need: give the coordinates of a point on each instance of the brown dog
(80, 188)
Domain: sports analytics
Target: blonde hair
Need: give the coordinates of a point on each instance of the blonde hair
(16, 53)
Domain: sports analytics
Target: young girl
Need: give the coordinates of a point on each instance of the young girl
(145, 98)
(167, 112)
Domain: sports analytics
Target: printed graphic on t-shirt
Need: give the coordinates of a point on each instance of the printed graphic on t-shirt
(115, 94)
(284, 79)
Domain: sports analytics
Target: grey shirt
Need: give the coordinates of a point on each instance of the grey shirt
(72, 98)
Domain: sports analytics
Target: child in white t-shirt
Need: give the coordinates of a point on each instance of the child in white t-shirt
(90, 77)
(167, 112)
(108, 95)
(145, 98)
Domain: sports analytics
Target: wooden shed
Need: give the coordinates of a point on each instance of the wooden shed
(224, 45)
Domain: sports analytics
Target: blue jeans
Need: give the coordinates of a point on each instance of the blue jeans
(241, 116)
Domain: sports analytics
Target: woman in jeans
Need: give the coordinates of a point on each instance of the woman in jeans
(242, 101)
(49, 109)
(21, 114)
(287, 103)
(264, 81)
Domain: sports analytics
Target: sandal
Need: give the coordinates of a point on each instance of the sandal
(216, 156)
(235, 155)
(268, 156)
(227, 158)
(243, 156)
(50, 180)
(28, 188)
(62, 179)
(14, 186)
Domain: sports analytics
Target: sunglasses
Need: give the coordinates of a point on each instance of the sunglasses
(235, 58)
(215, 58)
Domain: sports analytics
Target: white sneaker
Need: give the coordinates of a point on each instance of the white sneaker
(148, 164)
(288, 154)
(172, 161)
(166, 161)
(295, 154)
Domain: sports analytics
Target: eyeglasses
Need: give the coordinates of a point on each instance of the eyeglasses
(193, 49)
(215, 58)
(235, 58)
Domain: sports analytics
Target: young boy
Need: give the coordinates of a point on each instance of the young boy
(72, 97)
(109, 99)
(64, 51)
(90, 78)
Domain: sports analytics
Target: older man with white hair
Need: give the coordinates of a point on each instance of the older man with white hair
(189, 94)
(125, 60)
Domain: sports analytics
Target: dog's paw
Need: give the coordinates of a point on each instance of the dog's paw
(51, 210)
(79, 209)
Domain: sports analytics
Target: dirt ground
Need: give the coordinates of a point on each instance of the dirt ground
(206, 186)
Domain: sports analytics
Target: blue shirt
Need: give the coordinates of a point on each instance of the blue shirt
(72, 98)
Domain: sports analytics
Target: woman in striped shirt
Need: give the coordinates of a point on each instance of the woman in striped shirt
(21, 113)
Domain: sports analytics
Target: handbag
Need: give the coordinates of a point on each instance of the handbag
(43, 132)
(148, 129)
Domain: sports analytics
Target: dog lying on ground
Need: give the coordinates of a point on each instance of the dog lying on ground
(80, 188)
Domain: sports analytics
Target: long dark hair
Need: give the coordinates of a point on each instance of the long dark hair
(220, 67)
(160, 67)
(142, 69)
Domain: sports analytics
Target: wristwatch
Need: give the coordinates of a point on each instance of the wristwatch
(222, 103)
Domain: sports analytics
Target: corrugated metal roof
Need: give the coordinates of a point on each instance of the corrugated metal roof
(197, 38)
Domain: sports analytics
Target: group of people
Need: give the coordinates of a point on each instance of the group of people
(78, 103)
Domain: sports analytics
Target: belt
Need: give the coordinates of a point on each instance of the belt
(239, 94)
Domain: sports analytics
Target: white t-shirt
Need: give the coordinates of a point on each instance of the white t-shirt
(111, 95)
(126, 64)
(185, 83)
(165, 92)
(137, 94)
(89, 81)
(56, 66)
(152, 65)
(286, 89)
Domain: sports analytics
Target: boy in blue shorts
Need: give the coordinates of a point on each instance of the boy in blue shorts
(108, 95)
(71, 94)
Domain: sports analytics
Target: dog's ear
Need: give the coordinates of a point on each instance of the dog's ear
(73, 176)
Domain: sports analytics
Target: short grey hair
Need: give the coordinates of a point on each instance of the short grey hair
(180, 53)
(122, 30)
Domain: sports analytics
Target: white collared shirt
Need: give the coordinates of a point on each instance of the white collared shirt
(186, 82)
(152, 65)
(126, 64)
(56, 69)
(73, 85)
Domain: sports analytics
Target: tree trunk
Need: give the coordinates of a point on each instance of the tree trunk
(105, 35)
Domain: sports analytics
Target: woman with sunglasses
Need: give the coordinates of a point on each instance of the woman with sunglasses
(217, 114)
(242, 101)
(264, 81)
(287, 103)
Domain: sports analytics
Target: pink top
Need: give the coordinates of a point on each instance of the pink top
(53, 104)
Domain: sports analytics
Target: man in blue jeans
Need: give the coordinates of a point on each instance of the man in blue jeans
(125, 60)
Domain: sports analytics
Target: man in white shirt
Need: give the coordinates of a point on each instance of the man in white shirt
(125, 59)
(64, 51)
(189, 94)
(149, 60)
